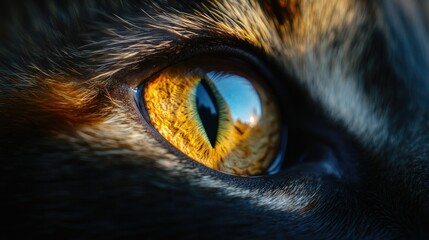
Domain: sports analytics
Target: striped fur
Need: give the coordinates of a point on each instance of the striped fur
(80, 162)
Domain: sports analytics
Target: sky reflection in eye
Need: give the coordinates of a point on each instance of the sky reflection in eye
(239, 94)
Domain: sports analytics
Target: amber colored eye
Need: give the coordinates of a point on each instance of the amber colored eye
(215, 112)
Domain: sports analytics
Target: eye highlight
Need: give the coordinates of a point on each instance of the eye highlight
(215, 112)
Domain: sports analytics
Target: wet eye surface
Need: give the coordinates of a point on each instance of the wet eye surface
(216, 112)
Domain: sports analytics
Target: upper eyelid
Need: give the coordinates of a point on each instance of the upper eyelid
(166, 57)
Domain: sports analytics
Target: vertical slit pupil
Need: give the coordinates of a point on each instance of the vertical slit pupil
(207, 110)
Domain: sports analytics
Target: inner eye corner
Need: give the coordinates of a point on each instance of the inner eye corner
(216, 111)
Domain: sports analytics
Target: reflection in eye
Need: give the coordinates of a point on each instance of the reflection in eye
(242, 98)
(215, 113)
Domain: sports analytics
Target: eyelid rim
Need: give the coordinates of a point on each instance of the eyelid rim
(278, 78)
(155, 64)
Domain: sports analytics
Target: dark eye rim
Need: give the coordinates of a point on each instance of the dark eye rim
(297, 108)
(243, 56)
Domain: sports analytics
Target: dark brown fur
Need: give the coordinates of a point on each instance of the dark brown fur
(80, 162)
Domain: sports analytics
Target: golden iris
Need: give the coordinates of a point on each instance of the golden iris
(215, 112)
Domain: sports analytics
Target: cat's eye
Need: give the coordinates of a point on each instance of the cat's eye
(217, 112)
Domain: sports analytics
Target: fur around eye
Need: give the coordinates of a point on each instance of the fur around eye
(215, 112)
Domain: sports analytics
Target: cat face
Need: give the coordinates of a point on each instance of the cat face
(347, 78)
